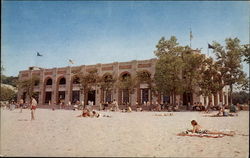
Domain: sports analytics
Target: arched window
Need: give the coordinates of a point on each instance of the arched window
(107, 78)
(49, 81)
(62, 81)
(37, 83)
(125, 75)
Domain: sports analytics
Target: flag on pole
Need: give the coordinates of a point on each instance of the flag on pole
(210, 46)
(71, 61)
(38, 54)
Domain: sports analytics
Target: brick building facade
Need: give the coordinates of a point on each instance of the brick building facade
(60, 83)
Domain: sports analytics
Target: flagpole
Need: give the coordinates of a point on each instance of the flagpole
(190, 37)
(207, 51)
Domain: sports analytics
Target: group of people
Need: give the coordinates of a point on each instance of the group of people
(89, 113)
(21, 105)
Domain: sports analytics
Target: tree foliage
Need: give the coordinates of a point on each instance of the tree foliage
(193, 63)
(107, 82)
(168, 67)
(7, 94)
(246, 53)
(88, 81)
(11, 80)
(229, 58)
(27, 85)
(211, 81)
(241, 97)
(126, 83)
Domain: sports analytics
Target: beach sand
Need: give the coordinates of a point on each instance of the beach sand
(61, 133)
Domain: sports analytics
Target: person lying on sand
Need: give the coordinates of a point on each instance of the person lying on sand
(198, 129)
(106, 115)
(222, 113)
(170, 114)
(88, 113)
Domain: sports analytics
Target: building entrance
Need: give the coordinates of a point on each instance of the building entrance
(91, 96)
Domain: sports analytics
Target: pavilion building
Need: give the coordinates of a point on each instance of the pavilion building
(61, 83)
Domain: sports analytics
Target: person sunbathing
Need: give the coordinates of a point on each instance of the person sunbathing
(198, 129)
(95, 114)
(87, 113)
(165, 114)
(222, 113)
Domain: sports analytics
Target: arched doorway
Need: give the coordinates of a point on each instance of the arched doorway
(61, 87)
(144, 88)
(48, 90)
(123, 93)
(106, 88)
(75, 89)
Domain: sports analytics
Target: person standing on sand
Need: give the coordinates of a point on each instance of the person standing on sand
(116, 105)
(33, 107)
(21, 104)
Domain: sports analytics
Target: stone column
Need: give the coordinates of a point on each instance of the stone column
(41, 87)
(54, 87)
(98, 98)
(138, 90)
(67, 86)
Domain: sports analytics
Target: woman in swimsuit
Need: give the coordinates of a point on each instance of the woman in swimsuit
(198, 129)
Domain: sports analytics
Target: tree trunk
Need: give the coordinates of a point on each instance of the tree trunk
(150, 96)
(174, 99)
(230, 93)
(85, 98)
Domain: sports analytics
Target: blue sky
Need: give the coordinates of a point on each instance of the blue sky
(108, 31)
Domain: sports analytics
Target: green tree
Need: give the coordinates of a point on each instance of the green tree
(191, 75)
(7, 94)
(168, 67)
(126, 83)
(9, 80)
(87, 82)
(211, 79)
(28, 85)
(241, 97)
(230, 61)
(246, 53)
(106, 83)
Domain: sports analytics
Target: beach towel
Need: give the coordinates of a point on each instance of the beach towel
(200, 135)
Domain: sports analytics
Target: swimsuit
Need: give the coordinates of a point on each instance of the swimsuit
(202, 131)
(33, 107)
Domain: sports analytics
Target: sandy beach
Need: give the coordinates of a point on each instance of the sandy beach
(61, 133)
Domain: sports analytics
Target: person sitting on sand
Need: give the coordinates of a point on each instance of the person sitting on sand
(129, 109)
(198, 129)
